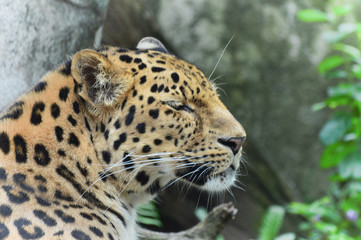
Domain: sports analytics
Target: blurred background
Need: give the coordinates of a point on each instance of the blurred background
(286, 60)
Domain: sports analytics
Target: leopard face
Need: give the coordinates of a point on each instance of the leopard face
(105, 132)
(168, 125)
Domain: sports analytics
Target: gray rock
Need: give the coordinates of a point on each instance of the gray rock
(37, 35)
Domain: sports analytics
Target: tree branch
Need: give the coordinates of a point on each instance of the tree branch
(208, 229)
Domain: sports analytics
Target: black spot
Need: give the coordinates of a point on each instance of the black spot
(158, 69)
(143, 79)
(59, 133)
(20, 149)
(19, 179)
(14, 112)
(117, 124)
(4, 231)
(80, 235)
(175, 77)
(41, 155)
(151, 100)
(45, 218)
(154, 88)
(128, 162)
(96, 231)
(20, 198)
(40, 86)
(122, 139)
(76, 107)
(59, 195)
(146, 149)
(99, 219)
(142, 66)
(87, 124)
(157, 141)
(55, 110)
(160, 61)
(5, 211)
(154, 113)
(106, 134)
(153, 188)
(67, 68)
(106, 156)
(135, 139)
(86, 216)
(83, 170)
(169, 137)
(43, 202)
(3, 175)
(125, 58)
(122, 50)
(64, 217)
(161, 87)
(40, 178)
(110, 236)
(4, 143)
(130, 116)
(60, 233)
(102, 127)
(73, 140)
(142, 177)
(137, 60)
(42, 188)
(35, 118)
(72, 120)
(63, 93)
(61, 153)
(168, 112)
(23, 224)
(141, 127)
(166, 89)
(123, 103)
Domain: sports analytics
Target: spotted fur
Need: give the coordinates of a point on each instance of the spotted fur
(104, 133)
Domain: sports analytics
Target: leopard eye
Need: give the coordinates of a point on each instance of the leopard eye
(179, 106)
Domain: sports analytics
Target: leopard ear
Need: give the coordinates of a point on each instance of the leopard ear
(101, 83)
(151, 43)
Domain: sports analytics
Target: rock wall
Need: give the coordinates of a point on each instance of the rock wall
(37, 35)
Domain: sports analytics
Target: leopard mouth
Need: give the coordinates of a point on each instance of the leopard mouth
(204, 178)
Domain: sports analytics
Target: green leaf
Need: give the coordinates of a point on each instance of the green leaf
(318, 106)
(352, 51)
(336, 152)
(330, 63)
(312, 15)
(336, 74)
(333, 36)
(148, 214)
(201, 213)
(335, 129)
(356, 70)
(286, 236)
(337, 101)
(350, 167)
(271, 223)
(342, 10)
(347, 28)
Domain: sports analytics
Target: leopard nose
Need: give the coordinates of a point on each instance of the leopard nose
(234, 143)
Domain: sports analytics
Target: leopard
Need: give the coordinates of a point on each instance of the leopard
(102, 134)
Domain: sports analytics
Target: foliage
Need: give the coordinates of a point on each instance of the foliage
(336, 215)
(271, 224)
(148, 214)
